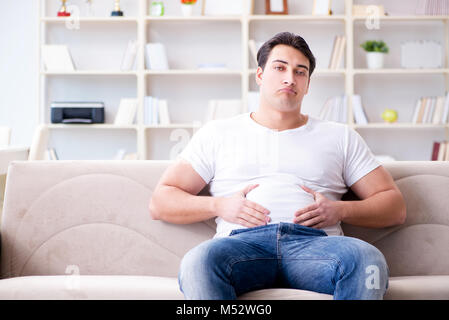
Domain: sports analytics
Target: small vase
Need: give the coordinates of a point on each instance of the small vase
(187, 10)
(375, 60)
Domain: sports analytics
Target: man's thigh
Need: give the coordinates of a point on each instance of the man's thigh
(247, 260)
(319, 263)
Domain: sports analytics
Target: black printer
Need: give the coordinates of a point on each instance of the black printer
(77, 112)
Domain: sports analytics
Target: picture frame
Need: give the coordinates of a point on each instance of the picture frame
(322, 7)
(228, 7)
(276, 7)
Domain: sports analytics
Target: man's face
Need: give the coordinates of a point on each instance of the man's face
(285, 80)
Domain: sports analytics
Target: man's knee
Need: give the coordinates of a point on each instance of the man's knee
(367, 260)
(201, 261)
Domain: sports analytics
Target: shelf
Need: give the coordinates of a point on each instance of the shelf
(405, 125)
(405, 18)
(173, 126)
(89, 73)
(65, 126)
(296, 18)
(193, 72)
(194, 18)
(315, 72)
(88, 19)
(400, 71)
(227, 37)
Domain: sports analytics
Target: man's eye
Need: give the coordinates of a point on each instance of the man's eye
(301, 73)
(278, 67)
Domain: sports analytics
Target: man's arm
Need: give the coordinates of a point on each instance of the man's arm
(175, 200)
(381, 205)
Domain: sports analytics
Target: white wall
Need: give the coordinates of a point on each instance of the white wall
(18, 69)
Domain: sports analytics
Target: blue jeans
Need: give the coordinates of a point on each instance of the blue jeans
(284, 255)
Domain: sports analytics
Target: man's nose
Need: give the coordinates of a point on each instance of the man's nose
(289, 80)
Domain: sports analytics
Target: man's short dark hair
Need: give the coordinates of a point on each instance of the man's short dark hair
(289, 39)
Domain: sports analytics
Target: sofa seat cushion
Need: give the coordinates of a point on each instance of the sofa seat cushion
(88, 287)
(164, 288)
(418, 287)
(284, 294)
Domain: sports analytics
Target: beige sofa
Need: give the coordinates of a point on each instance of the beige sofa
(81, 230)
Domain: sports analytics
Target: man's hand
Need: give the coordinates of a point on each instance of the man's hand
(237, 209)
(321, 214)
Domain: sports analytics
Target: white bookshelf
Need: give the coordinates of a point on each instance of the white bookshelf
(100, 42)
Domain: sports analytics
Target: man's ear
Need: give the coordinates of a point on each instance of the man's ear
(259, 74)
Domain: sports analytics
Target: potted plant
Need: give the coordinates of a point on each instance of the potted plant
(187, 7)
(375, 51)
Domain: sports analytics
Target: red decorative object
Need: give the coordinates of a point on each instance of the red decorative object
(63, 14)
(188, 1)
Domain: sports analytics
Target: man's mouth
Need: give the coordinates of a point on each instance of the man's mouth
(288, 90)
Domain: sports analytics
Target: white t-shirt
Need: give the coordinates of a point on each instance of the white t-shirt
(327, 157)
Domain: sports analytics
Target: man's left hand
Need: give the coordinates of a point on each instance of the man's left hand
(321, 214)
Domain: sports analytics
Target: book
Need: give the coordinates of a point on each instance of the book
(445, 109)
(359, 113)
(126, 112)
(129, 57)
(435, 149)
(156, 57)
(416, 112)
(422, 108)
(438, 113)
(51, 154)
(341, 50)
(164, 117)
(333, 56)
(120, 154)
(147, 101)
(57, 58)
(222, 109)
(253, 50)
(442, 151)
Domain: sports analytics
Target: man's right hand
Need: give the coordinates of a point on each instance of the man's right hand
(237, 209)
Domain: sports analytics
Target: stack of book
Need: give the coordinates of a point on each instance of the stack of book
(440, 151)
(129, 57)
(57, 58)
(337, 52)
(431, 110)
(253, 49)
(155, 111)
(432, 7)
(126, 112)
(336, 109)
(156, 56)
(222, 109)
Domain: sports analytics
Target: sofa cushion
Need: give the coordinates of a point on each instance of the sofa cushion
(418, 287)
(74, 287)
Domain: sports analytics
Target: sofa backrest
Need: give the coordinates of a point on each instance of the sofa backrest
(92, 217)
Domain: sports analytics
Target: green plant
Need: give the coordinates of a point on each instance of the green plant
(374, 46)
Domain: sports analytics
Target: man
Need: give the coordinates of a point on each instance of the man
(276, 178)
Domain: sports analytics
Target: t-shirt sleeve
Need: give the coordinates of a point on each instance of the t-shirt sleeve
(199, 152)
(359, 160)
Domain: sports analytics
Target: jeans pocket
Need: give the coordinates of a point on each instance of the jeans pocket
(310, 231)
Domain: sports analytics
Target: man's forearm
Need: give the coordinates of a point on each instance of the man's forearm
(386, 208)
(174, 205)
